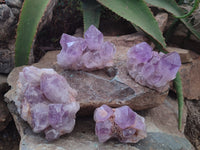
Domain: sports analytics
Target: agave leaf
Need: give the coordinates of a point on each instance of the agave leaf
(31, 14)
(172, 7)
(91, 13)
(137, 12)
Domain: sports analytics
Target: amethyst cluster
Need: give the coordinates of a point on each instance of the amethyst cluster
(90, 53)
(46, 101)
(121, 123)
(152, 69)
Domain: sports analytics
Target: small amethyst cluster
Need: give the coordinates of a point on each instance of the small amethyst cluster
(46, 101)
(150, 68)
(90, 53)
(121, 123)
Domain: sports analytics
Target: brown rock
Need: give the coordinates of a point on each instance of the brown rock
(127, 40)
(184, 54)
(162, 18)
(192, 129)
(97, 88)
(190, 74)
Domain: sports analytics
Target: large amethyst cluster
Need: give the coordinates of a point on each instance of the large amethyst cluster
(46, 101)
(90, 53)
(121, 123)
(150, 68)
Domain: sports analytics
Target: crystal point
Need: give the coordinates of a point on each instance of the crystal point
(124, 124)
(46, 102)
(152, 69)
(90, 53)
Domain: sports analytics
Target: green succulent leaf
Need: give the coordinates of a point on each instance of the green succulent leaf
(172, 7)
(179, 93)
(91, 13)
(31, 14)
(137, 12)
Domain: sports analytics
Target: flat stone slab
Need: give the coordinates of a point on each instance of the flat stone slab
(162, 129)
(112, 86)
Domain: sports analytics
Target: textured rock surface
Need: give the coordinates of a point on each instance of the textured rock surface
(6, 60)
(14, 3)
(162, 18)
(185, 55)
(113, 86)
(5, 116)
(9, 14)
(7, 22)
(162, 133)
(192, 128)
(121, 123)
(190, 74)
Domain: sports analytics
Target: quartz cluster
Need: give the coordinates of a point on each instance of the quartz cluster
(122, 123)
(46, 101)
(88, 53)
(150, 68)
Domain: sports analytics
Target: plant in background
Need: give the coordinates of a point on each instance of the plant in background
(134, 11)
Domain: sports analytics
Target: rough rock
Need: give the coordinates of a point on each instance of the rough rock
(98, 87)
(7, 22)
(190, 74)
(184, 53)
(5, 116)
(6, 61)
(162, 19)
(9, 15)
(14, 3)
(127, 40)
(192, 129)
(162, 133)
(15, 12)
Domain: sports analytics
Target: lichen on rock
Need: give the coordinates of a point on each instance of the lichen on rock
(46, 101)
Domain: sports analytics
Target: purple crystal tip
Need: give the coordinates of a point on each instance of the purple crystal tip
(150, 68)
(90, 53)
(122, 123)
(46, 102)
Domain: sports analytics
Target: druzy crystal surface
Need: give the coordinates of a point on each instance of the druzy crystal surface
(88, 53)
(122, 123)
(46, 101)
(150, 68)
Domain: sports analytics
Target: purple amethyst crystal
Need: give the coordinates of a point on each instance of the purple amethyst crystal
(90, 53)
(122, 123)
(103, 113)
(46, 101)
(150, 68)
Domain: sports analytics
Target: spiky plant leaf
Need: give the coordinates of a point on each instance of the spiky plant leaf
(137, 12)
(31, 14)
(91, 13)
(172, 7)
